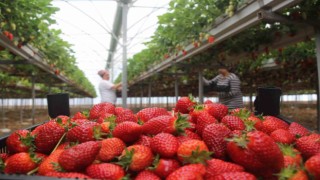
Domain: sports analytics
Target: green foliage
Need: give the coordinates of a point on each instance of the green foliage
(30, 21)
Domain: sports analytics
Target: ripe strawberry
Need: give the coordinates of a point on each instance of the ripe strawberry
(127, 131)
(297, 130)
(73, 175)
(191, 171)
(50, 164)
(80, 115)
(185, 105)
(165, 144)
(110, 148)
(211, 39)
(216, 167)
(242, 113)
(78, 157)
(208, 102)
(147, 174)
(292, 157)
(189, 135)
(217, 110)
(313, 166)
(271, 124)
(235, 175)
(19, 141)
(233, 122)
(168, 124)
(100, 109)
(8, 35)
(126, 115)
(22, 163)
(106, 118)
(105, 171)
(254, 122)
(48, 136)
(309, 145)
(144, 140)
(164, 167)
(196, 111)
(282, 136)
(257, 153)
(146, 114)
(292, 173)
(89, 131)
(214, 136)
(4, 156)
(203, 120)
(193, 151)
(136, 158)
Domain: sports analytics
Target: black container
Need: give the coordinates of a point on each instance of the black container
(267, 101)
(58, 104)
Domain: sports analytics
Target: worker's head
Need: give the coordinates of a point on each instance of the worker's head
(104, 74)
(223, 69)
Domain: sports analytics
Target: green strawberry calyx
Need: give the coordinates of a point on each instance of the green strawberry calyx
(287, 172)
(240, 141)
(28, 140)
(249, 125)
(181, 124)
(2, 165)
(155, 163)
(288, 150)
(126, 159)
(197, 157)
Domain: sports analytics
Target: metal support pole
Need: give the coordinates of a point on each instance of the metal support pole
(318, 66)
(250, 101)
(176, 88)
(149, 94)
(200, 88)
(33, 79)
(125, 9)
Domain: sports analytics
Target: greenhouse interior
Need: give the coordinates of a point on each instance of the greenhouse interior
(160, 89)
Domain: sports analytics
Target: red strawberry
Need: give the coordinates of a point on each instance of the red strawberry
(233, 122)
(203, 120)
(163, 167)
(4, 156)
(89, 131)
(185, 105)
(19, 141)
(257, 152)
(48, 136)
(50, 164)
(298, 130)
(309, 145)
(127, 131)
(22, 163)
(255, 122)
(147, 175)
(211, 39)
(292, 157)
(105, 171)
(292, 173)
(8, 35)
(217, 166)
(106, 118)
(144, 140)
(193, 151)
(196, 111)
(100, 109)
(165, 144)
(189, 135)
(80, 115)
(110, 148)
(126, 115)
(73, 175)
(313, 166)
(191, 171)
(168, 124)
(234, 175)
(217, 110)
(271, 124)
(78, 157)
(282, 136)
(208, 102)
(146, 114)
(214, 136)
(136, 157)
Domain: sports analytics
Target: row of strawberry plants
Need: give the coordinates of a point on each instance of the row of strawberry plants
(29, 22)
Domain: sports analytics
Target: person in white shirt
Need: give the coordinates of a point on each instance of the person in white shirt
(107, 89)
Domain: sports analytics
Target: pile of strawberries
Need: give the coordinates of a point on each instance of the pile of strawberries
(193, 142)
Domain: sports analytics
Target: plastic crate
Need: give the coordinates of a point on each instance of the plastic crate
(3, 149)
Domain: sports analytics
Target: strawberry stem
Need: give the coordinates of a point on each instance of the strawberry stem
(59, 142)
(33, 171)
